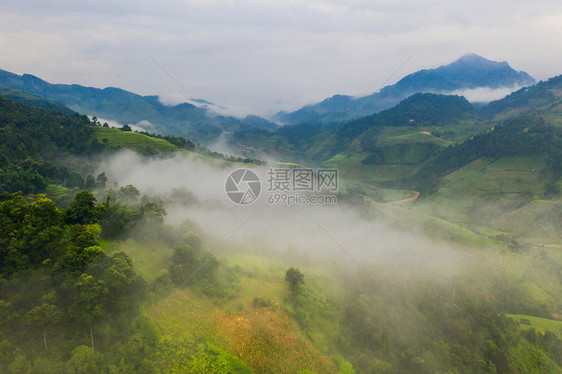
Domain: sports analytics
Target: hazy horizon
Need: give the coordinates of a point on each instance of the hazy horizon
(262, 57)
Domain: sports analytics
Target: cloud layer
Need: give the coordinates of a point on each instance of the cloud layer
(261, 56)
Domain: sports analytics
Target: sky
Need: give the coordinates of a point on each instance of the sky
(262, 56)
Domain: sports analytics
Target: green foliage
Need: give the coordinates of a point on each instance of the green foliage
(84, 360)
(526, 99)
(262, 302)
(344, 366)
(422, 109)
(59, 286)
(520, 136)
(117, 220)
(196, 268)
(32, 138)
(202, 358)
(89, 300)
(29, 233)
(295, 279)
(83, 210)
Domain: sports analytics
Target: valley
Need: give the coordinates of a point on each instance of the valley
(121, 251)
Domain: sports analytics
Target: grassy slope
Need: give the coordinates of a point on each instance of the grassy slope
(508, 175)
(141, 143)
(265, 338)
(538, 323)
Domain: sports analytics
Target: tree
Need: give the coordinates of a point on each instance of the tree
(43, 317)
(84, 360)
(89, 302)
(83, 209)
(153, 212)
(13, 210)
(90, 182)
(295, 279)
(42, 231)
(82, 236)
(123, 284)
(183, 264)
(101, 180)
(129, 194)
(117, 220)
(75, 180)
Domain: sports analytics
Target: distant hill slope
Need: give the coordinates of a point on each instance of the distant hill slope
(516, 137)
(469, 72)
(36, 101)
(35, 141)
(422, 109)
(428, 136)
(128, 108)
(416, 112)
(543, 98)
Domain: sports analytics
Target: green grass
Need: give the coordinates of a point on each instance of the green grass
(538, 323)
(536, 219)
(407, 153)
(416, 220)
(415, 137)
(115, 138)
(448, 133)
(56, 191)
(61, 195)
(390, 195)
(486, 178)
(149, 260)
(289, 165)
(350, 167)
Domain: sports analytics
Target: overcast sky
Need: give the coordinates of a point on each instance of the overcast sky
(261, 56)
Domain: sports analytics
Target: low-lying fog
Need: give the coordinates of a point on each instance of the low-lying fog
(323, 231)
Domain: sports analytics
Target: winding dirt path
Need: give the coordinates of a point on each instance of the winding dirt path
(411, 198)
(549, 245)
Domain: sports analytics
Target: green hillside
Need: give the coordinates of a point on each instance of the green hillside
(185, 119)
(543, 99)
(519, 175)
(116, 139)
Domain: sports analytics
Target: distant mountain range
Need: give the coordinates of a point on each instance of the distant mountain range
(199, 124)
(468, 72)
(420, 124)
(125, 107)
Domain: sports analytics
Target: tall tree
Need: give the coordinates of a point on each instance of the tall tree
(43, 317)
(89, 302)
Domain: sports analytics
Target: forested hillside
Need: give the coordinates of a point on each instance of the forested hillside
(185, 119)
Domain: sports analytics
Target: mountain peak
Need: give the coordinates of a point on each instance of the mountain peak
(474, 60)
(470, 71)
(472, 57)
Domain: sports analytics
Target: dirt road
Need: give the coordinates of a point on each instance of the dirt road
(411, 198)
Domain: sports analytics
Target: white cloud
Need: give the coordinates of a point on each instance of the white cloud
(261, 56)
(484, 94)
